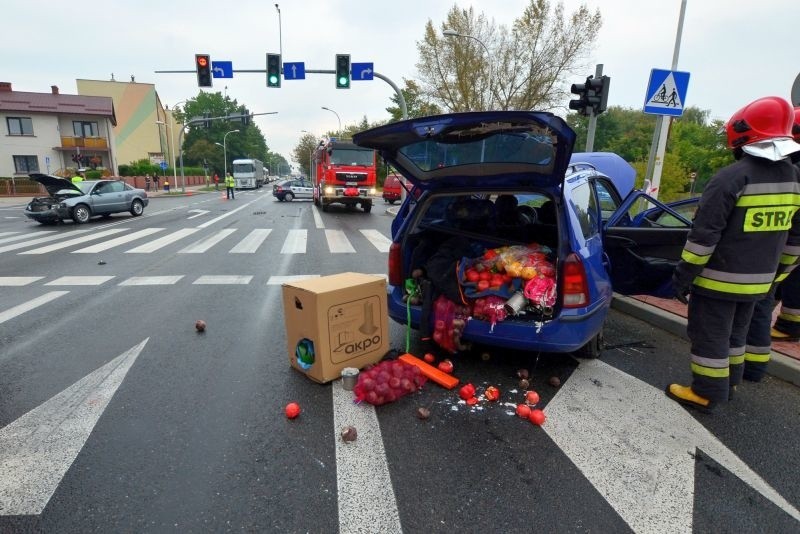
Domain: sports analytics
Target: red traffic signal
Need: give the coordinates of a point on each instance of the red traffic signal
(202, 63)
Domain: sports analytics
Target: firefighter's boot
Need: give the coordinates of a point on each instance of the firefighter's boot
(684, 395)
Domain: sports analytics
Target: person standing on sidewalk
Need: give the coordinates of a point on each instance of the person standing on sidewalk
(147, 182)
(787, 327)
(216, 181)
(155, 182)
(230, 185)
(736, 246)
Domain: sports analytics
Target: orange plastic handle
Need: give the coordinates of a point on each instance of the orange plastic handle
(431, 372)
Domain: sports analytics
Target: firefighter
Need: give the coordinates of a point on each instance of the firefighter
(738, 247)
(787, 327)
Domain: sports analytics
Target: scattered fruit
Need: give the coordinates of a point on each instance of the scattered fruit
(492, 393)
(537, 417)
(446, 366)
(472, 401)
(349, 433)
(200, 325)
(532, 398)
(423, 413)
(524, 384)
(292, 410)
(429, 358)
(554, 381)
(466, 392)
(523, 373)
(523, 410)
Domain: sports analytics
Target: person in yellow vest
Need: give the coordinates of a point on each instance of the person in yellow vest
(166, 184)
(230, 184)
(78, 178)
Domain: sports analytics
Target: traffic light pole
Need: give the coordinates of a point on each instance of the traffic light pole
(598, 73)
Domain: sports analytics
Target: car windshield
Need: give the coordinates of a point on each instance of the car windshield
(528, 148)
(352, 156)
(85, 187)
(243, 168)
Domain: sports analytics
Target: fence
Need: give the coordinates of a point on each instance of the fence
(25, 187)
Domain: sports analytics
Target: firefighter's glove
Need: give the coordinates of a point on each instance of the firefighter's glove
(681, 288)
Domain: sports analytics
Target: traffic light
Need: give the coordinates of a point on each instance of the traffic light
(273, 70)
(581, 103)
(206, 120)
(343, 71)
(245, 116)
(202, 63)
(597, 93)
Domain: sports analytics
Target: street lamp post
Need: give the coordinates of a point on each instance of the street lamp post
(172, 128)
(280, 36)
(171, 137)
(225, 149)
(453, 33)
(337, 117)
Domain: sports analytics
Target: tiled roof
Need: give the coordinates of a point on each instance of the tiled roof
(17, 101)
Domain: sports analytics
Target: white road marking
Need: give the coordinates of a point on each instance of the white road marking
(280, 280)
(251, 242)
(37, 449)
(338, 242)
(223, 279)
(39, 240)
(28, 306)
(76, 241)
(366, 497)
(18, 281)
(162, 241)
(611, 426)
(111, 243)
(216, 219)
(151, 280)
(23, 236)
(295, 242)
(3, 234)
(197, 213)
(204, 244)
(317, 217)
(380, 241)
(79, 281)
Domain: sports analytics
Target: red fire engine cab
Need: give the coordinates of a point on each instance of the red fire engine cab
(343, 173)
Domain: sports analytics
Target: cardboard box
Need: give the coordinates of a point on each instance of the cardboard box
(335, 321)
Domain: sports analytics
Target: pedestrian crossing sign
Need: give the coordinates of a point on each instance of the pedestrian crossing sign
(666, 92)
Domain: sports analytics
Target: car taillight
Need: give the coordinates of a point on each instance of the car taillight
(576, 287)
(395, 265)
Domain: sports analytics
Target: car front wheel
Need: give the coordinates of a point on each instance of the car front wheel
(137, 208)
(81, 213)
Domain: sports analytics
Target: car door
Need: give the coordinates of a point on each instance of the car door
(641, 259)
(304, 189)
(101, 198)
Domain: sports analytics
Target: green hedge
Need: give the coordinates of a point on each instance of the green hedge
(141, 170)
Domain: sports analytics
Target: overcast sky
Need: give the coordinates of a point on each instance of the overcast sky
(735, 50)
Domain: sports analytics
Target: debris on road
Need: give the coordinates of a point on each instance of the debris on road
(349, 433)
(292, 410)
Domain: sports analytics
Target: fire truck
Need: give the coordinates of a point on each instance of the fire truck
(343, 173)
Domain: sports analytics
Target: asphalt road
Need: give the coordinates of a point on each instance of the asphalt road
(178, 431)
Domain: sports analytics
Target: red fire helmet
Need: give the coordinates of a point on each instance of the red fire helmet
(766, 118)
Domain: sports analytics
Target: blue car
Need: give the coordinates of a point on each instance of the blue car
(499, 198)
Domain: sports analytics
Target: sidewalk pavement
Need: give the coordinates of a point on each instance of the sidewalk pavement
(22, 201)
(670, 315)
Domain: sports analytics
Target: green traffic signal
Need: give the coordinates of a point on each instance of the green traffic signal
(273, 70)
(343, 71)
(343, 81)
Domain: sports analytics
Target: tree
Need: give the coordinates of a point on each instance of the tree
(417, 105)
(523, 67)
(303, 151)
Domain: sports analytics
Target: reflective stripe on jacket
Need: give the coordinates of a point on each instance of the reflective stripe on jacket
(746, 231)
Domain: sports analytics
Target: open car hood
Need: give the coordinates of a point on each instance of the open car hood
(55, 184)
(476, 149)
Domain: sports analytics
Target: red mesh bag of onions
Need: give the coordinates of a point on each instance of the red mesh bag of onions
(387, 381)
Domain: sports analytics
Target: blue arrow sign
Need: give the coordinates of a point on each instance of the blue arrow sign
(361, 71)
(222, 69)
(294, 71)
(666, 92)
(163, 165)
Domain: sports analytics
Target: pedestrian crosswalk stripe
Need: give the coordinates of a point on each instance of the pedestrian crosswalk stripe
(30, 305)
(250, 244)
(317, 217)
(121, 240)
(337, 241)
(76, 241)
(22, 236)
(295, 242)
(79, 281)
(151, 280)
(380, 241)
(39, 240)
(18, 281)
(204, 244)
(163, 241)
(223, 279)
(3, 234)
(280, 280)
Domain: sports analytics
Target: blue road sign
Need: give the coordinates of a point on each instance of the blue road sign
(361, 71)
(294, 71)
(163, 165)
(666, 92)
(222, 69)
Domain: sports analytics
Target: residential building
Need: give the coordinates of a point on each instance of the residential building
(51, 132)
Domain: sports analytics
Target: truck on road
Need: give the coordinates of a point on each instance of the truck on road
(248, 173)
(343, 173)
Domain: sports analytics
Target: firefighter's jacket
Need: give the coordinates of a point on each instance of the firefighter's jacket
(746, 232)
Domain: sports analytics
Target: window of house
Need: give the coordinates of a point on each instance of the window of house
(26, 164)
(19, 125)
(84, 129)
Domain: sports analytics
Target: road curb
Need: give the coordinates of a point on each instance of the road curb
(780, 366)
